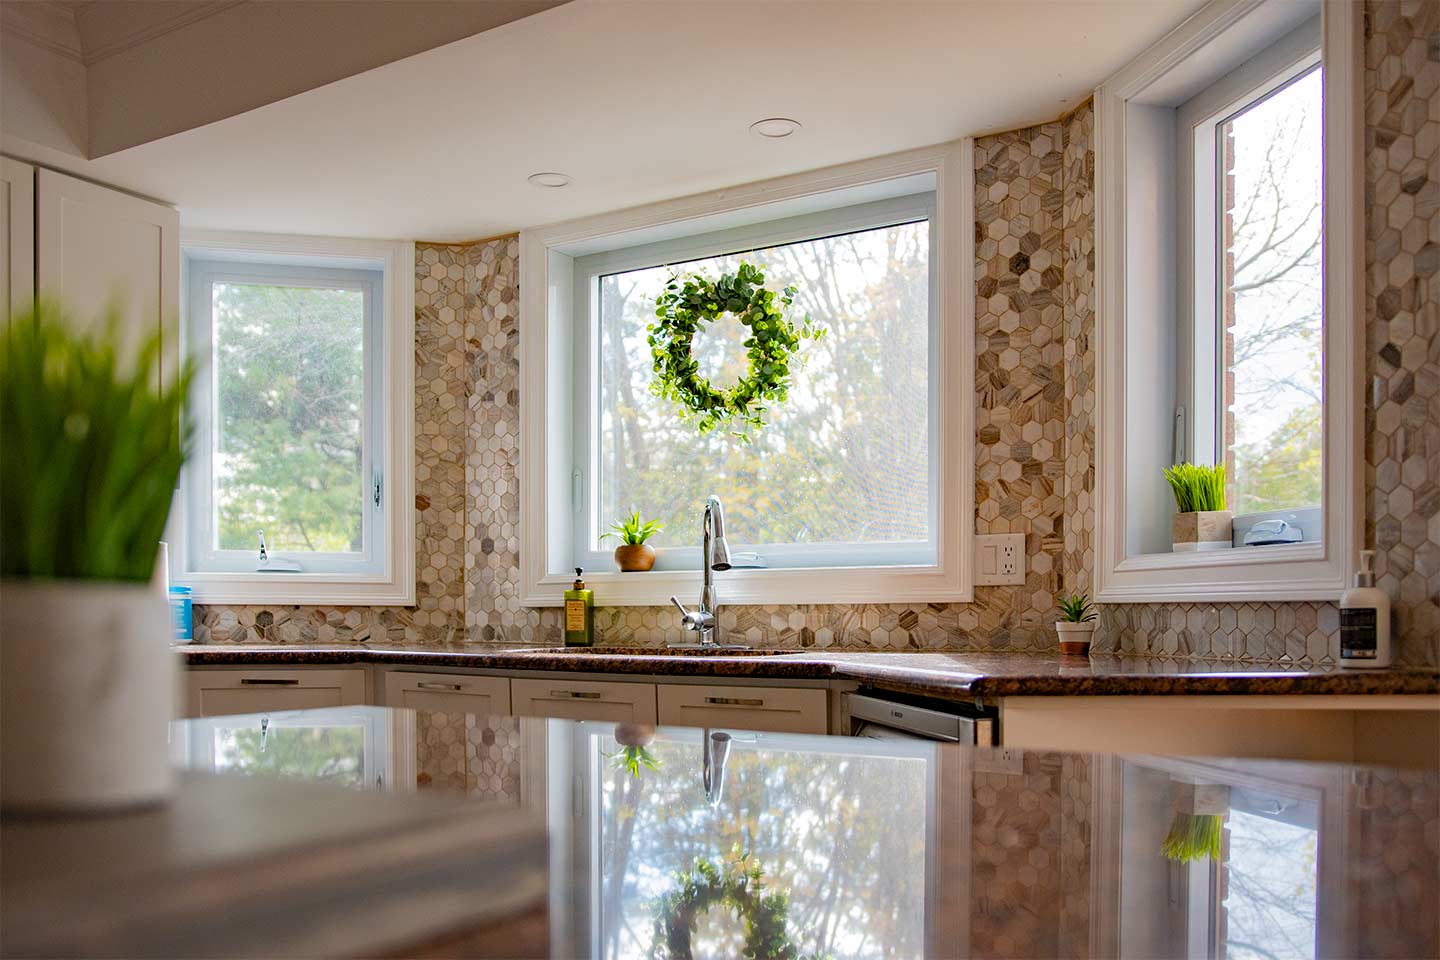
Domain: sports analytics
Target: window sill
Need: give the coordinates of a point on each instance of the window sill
(788, 586)
(310, 589)
(1301, 571)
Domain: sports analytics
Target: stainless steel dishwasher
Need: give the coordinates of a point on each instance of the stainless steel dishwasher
(885, 716)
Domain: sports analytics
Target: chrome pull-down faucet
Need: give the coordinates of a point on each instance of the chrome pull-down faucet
(714, 555)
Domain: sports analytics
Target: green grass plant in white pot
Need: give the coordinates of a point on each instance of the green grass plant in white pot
(90, 450)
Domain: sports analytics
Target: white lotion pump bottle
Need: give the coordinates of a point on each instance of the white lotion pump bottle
(1365, 620)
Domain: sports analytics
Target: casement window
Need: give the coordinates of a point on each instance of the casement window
(1250, 331)
(842, 473)
(856, 479)
(290, 488)
(1229, 279)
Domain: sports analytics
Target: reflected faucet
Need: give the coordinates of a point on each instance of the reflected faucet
(714, 555)
(717, 754)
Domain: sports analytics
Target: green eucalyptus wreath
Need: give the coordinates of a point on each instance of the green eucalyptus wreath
(739, 884)
(691, 302)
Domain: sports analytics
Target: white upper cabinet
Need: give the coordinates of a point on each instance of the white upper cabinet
(17, 233)
(95, 246)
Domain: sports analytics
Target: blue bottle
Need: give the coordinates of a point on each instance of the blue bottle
(182, 620)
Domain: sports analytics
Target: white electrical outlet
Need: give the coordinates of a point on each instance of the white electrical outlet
(999, 559)
(1000, 760)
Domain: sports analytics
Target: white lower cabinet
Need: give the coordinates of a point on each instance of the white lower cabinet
(1372, 729)
(778, 709)
(216, 693)
(451, 692)
(569, 699)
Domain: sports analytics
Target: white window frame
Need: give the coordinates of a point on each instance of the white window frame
(547, 390)
(193, 740)
(385, 574)
(1128, 477)
(875, 214)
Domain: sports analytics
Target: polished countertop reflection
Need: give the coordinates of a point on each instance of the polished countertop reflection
(891, 848)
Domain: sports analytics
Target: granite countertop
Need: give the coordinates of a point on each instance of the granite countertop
(952, 675)
(1322, 859)
(235, 866)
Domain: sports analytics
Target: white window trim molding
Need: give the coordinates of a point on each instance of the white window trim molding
(395, 586)
(1309, 571)
(546, 531)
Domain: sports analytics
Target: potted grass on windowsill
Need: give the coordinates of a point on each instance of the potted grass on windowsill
(1201, 520)
(91, 447)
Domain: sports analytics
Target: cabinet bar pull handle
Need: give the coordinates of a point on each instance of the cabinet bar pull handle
(575, 694)
(735, 701)
(427, 685)
(269, 682)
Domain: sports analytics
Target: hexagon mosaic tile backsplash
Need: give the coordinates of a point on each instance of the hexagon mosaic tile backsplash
(1035, 368)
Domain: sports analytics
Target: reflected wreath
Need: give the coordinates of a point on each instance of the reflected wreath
(738, 884)
(688, 304)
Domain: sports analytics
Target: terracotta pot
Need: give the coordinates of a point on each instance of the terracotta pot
(634, 734)
(1075, 637)
(634, 557)
(87, 690)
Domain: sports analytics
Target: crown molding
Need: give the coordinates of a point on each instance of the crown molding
(184, 16)
(48, 26)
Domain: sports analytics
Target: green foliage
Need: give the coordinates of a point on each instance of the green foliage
(632, 758)
(685, 307)
(334, 754)
(825, 823)
(289, 388)
(846, 456)
(1193, 837)
(738, 884)
(1076, 608)
(1283, 471)
(632, 531)
(1197, 487)
(91, 446)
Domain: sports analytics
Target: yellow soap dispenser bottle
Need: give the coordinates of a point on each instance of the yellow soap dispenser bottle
(579, 614)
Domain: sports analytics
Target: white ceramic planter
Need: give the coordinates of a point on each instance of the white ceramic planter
(87, 689)
(1075, 637)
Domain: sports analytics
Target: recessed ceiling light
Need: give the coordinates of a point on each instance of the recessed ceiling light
(549, 178)
(774, 128)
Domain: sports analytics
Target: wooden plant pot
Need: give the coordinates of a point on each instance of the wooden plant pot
(1203, 530)
(1075, 637)
(634, 557)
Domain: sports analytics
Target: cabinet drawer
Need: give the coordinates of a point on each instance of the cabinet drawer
(451, 692)
(216, 693)
(583, 700)
(781, 709)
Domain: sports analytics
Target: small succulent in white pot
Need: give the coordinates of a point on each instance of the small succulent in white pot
(92, 443)
(1076, 625)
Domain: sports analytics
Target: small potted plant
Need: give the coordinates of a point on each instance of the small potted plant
(1076, 626)
(634, 555)
(92, 443)
(634, 738)
(1201, 520)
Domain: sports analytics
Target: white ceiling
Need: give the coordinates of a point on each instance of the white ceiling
(637, 100)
